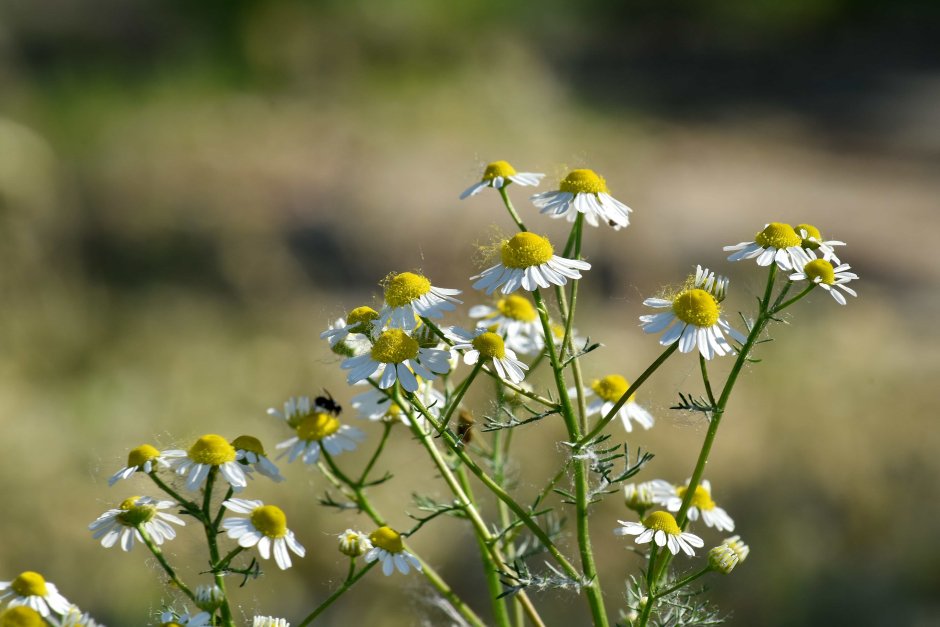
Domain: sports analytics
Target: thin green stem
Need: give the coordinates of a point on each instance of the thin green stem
(681, 583)
(212, 533)
(705, 380)
(350, 581)
(191, 507)
(459, 394)
(512, 211)
(157, 553)
(779, 308)
(378, 451)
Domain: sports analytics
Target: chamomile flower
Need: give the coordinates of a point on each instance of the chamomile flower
(821, 272)
(489, 346)
(265, 527)
(295, 410)
(514, 318)
(639, 496)
(388, 548)
(21, 616)
(375, 405)
(30, 589)
(528, 261)
(144, 458)
(250, 452)
(584, 191)
(662, 528)
(170, 618)
(350, 336)
(499, 174)
(813, 241)
(694, 319)
(776, 243)
(269, 621)
(135, 514)
(609, 389)
(208, 452)
(409, 295)
(73, 618)
(702, 504)
(354, 543)
(398, 357)
(320, 430)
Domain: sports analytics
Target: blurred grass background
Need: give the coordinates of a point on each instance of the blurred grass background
(189, 192)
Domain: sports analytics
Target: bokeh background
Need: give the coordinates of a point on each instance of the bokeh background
(191, 191)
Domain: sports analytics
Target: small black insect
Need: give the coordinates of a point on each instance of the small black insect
(328, 404)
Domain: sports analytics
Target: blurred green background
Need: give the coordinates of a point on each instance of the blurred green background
(190, 191)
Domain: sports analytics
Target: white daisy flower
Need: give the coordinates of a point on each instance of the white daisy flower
(30, 589)
(387, 547)
(702, 504)
(408, 296)
(375, 405)
(316, 431)
(73, 618)
(269, 621)
(398, 357)
(609, 389)
(296, 409)
(210, 451)
(172, 619)
(489, 345)
(778, 242)
(821, 272)
(22, 616)
(265, 527)
(639, 496)
(134, 514)
(354, 543)
(530, 262)
(662, 528)
(516, 320)
(144, 458)
(584, 191)
(694, 319)
(499, 174)
(813, 241)
(350, 336)
(250, 452)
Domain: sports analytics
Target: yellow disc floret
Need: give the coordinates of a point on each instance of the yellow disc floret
(490, 345)
(701, 499)
(402, 289)
(134, 514)
(249, 443)
(141, 455)
(696, 307)
(211, 449)
(269, 520)
(29, 584)
(662, 521)
(813, 236)
(611, 388)
(21, 616)
(778, 235)
(525, 250)
(361, 317)
(583, 182)
(820, 269)
(498, 168)
(517, 308)
(317, 427)
(388, 539)
(393, 347)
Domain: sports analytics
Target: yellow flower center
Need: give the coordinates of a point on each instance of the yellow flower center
(393, 347)
(249, 443)
(811, 231)
(821, 269)
(778, 235)
(141, 455)
(583, 182)
(133, 513)
(269, 520)
(171, 624)
(21, 616)
(611, 388)
(662, 521)
(388, 539)
(490, 345)
(525, 250)
(696, 307)
(361, 317)
(517, 308)
(498, 168)
(701, 499)
(317, 427)
(402, 289)
(29, 584)
(211, 449)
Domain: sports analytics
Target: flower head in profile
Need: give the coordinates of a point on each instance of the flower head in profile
(75, 617)
(823, 274)
(515, 319)
(349, 336)
(702, 504)
(170, 618)
(639, 496)
(135, 515)
(489, 346)
(499, 174)
(584, 192)
(269, 621)
(354, 543)
(814, 242)
(409, 295)
(777, 243)
(209, 597)
(724, 557)
(609, 390)
(662, 528)
(398, 357)
(144, 458)
(265, 527)
(250, 452)
(209, 452)
(31, 589)
(320, 430)
(388, 548)
(528, 261)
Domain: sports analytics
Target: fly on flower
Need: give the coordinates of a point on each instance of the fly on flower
(499, 174)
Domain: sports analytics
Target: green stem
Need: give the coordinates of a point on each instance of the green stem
(350, 581)
(778, 308)
(191, 507)
(682, 583)
(510, 208)
(459, 394)
(157, 553)
(212, 533)
(378, 451)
